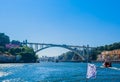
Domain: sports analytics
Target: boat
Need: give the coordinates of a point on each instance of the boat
(107, 63)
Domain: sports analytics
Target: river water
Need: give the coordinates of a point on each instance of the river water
(56, 72)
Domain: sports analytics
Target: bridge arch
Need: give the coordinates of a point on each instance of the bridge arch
(62, 46)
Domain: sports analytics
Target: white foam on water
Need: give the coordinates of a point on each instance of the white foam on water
(102, 67)
(11, 65)
(14, 80)
(2, 74)
(114, 68)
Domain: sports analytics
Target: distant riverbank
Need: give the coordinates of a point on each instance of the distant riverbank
(103, 61)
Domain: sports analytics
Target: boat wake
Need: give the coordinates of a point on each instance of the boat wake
(115, 68)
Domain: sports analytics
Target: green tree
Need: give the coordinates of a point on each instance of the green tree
(15, 51)
(2, 49)
(69, 56)
(15, 42)
(4, 39)
(28, 55)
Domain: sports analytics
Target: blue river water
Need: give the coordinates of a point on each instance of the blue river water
(56, 72)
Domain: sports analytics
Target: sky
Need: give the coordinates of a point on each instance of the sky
(73, 22)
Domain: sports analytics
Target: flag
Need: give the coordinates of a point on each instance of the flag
(91, 71)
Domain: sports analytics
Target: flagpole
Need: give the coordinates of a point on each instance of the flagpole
(87, 53)
(91, 68)
(87, 48)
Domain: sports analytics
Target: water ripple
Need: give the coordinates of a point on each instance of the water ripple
(2, 74)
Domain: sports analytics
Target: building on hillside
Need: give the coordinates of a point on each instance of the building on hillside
(114, 55)
(12, 46)
(100, 57)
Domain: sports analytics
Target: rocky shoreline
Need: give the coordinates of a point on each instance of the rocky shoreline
(4, 58)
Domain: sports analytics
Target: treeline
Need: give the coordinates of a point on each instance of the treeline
(97, 50)
(70, 56)
(15, 49)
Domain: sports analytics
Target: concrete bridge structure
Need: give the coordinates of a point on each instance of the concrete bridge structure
(82, 51)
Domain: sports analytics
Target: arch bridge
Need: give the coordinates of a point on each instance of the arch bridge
(82, 51)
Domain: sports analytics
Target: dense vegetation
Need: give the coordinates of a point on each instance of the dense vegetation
(27, 54)
(97, 50)
(4, 39)
(70, 56)
(24, 53)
